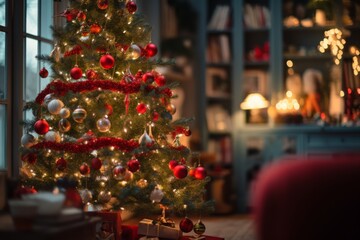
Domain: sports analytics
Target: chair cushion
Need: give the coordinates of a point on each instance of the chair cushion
(309, 199)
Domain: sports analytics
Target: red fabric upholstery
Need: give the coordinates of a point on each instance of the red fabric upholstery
(309, 199)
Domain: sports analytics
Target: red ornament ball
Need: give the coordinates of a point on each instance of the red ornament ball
(96, 163)
(41, 126)
(186, 225)
(141, 108)
(131, 7)
(180, 171)
(76, 73)
(148, 78)
(155, 116)
(29, 157)
(107, 61)
(133, 165)
(61, 164)
(173, 164)
(187, 132)
(151, 50)
(103, 4)
(200, 173)
(95, 28)
(43, 72)
(84, 169)
(160, 80)
(81, 16)
(91, 74)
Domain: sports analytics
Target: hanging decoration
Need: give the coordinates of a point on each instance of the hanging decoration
(76, 72)
(334, 42)
(43, 72)
(131, 7)
(107, 61)
(41, 126)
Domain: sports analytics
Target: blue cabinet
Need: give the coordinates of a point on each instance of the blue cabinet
(259, 146)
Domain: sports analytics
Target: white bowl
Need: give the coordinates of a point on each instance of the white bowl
(23, 213)
(21, 208)
(48, 203)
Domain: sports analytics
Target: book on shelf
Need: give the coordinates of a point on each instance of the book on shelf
(221, 148)
(220, 18)
(218, 49)
(256, 16)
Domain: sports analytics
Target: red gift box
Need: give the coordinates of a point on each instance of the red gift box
(110, 224)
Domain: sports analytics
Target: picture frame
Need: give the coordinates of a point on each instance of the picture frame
(217, 82)
(255, 81)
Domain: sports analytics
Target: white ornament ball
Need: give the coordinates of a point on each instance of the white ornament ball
(54, 106)
(103, 124)
(48, 98)
(52, 136)
(27, 140)
(133, 52)
(86, 195)
(64, 113)
(156, 195)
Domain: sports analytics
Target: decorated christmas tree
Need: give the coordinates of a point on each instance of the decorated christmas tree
(105, 121)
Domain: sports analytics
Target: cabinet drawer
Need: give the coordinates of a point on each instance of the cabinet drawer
(332, 140)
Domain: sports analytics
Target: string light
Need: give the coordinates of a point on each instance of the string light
(355, 64)
(333, 40)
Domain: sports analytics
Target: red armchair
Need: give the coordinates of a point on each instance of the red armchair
(308, 199)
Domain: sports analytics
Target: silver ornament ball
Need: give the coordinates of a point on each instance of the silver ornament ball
(103, 124)
(54, 106)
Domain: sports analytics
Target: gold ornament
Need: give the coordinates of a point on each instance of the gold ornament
(64, 125)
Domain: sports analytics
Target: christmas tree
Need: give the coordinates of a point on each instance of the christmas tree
(106, 118)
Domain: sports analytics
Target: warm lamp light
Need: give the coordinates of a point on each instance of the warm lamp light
(254, 101)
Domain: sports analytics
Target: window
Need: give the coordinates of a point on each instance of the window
(19, 68)
(4, 100)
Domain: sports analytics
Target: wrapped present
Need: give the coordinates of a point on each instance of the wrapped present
(110, 226)
(150, 228)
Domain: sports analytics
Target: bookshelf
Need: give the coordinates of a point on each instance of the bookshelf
(261, 44)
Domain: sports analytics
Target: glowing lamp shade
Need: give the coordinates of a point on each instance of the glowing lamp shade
(254, 101)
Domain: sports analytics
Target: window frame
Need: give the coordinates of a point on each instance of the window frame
(15, 66)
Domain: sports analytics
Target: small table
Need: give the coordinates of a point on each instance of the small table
(74, 230)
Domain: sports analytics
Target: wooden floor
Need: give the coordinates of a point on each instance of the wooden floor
(230, 227)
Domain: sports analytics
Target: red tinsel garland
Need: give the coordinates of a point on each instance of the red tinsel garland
(75, 50)
(60, 88)
(93, 144)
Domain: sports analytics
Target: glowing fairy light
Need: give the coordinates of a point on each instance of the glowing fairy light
(354, 51)
(334, 42)
(288, 104)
